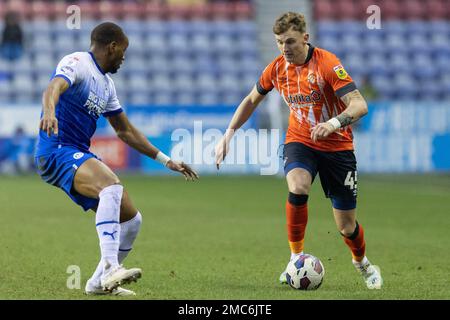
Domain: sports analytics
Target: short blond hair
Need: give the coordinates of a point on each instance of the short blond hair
(290, 20)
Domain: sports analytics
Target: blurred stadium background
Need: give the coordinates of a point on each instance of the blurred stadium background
(195, 60)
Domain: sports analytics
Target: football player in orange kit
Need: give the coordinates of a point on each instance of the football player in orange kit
(323, 102)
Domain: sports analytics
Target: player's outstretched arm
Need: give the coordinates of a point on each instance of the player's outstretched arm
(50, 98)
(356, 109)
(241, 115)
(137, 140)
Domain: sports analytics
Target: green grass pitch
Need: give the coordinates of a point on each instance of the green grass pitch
(225, 238)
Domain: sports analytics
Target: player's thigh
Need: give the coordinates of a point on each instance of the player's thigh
(127, 210)
(300, 167)
(299, 181)
(92, 177)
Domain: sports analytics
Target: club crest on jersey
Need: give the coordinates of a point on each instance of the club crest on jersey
(340, 71)
(78, 155)
(311, 78)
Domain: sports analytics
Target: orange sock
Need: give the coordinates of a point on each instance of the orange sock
(356, 243)
(296, 218)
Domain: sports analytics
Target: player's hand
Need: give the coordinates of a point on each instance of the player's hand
(189, 174)
(221, 151)
(321, 131)
(49, 124)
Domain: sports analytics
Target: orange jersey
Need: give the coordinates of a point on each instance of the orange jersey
(312, 91)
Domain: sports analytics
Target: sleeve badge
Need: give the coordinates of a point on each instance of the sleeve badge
(340, 72)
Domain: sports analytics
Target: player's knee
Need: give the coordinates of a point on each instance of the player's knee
(349, 230)
(299, 189)
(346, 232)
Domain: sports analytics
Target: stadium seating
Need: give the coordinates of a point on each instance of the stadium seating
(214, 43)
(408, 58)
(177, 54)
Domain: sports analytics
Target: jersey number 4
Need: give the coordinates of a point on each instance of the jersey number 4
(351, 180)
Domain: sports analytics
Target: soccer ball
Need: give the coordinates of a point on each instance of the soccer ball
(305, 272)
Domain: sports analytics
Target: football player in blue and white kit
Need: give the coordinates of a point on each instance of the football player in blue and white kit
(79, 93)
